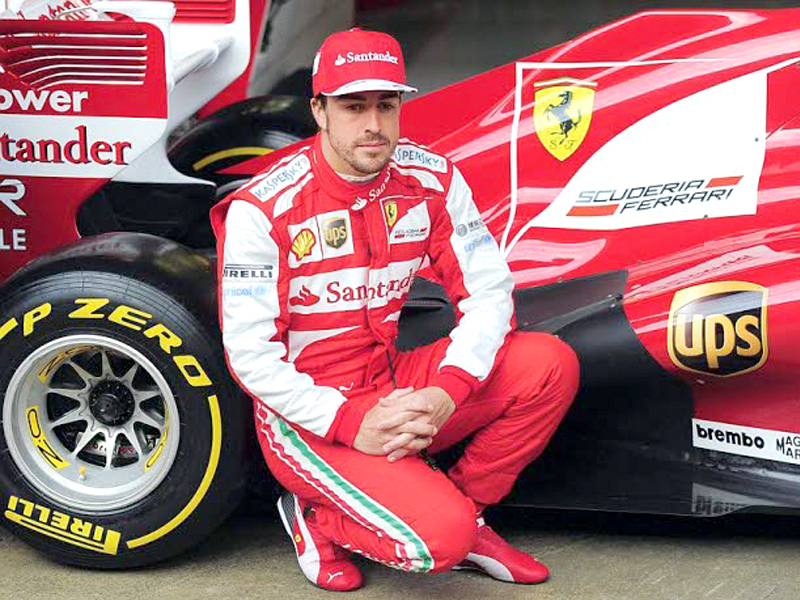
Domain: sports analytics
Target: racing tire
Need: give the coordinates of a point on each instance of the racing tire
(123, 439)
(239, 133)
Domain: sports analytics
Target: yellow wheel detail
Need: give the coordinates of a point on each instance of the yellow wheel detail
(222, 154)
(211, 469)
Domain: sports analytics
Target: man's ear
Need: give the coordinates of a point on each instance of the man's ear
(318, 110)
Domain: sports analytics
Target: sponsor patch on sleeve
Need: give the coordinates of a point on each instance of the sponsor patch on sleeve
(280, 179)
(473, 235)
(253, 280)
(407, 155)
(241, 272)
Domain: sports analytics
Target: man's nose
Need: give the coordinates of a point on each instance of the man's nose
(372, 124)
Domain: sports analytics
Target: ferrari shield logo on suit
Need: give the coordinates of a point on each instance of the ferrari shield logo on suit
(390, 210)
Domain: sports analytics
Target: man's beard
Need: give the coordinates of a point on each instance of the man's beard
(365, 167)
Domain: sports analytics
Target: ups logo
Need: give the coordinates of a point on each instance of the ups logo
(719, 328)
(334, 232)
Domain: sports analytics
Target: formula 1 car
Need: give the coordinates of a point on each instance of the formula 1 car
(642, 181)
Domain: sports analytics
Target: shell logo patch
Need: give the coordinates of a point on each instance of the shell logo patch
(562, 113)
(303, 243)
(719, 328)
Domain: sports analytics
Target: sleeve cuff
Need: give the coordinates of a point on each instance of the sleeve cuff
(457, 383)
(347, 422)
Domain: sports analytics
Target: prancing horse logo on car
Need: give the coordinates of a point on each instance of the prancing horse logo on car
(562, 113)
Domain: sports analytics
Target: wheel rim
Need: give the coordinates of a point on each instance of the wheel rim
(87, 422)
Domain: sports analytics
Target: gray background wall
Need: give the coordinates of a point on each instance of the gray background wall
(445, 41)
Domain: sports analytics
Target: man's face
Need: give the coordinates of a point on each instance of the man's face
(361, 128)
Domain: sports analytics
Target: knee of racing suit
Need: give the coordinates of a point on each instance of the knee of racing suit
(553, 360)
(453, 535)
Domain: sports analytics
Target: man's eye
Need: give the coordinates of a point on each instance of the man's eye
(387, 106)
(355, 107)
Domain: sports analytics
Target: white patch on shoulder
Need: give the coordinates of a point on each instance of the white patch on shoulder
(409, 155)
(425, 178)
(281, 178)
(286, 199)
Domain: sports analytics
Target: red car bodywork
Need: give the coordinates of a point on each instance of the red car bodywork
(56, 121)
(642, 64)
(722, 75)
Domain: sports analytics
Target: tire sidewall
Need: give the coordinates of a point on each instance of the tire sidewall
(205, 478)
(254, 123)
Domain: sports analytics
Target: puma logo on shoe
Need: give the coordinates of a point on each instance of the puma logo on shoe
(332, 576)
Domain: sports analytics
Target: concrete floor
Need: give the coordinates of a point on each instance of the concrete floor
(592, 556)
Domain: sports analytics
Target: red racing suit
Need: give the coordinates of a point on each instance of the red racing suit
(313, 273)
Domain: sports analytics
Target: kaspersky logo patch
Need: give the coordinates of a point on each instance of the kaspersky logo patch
(719, 328)
(562, 113)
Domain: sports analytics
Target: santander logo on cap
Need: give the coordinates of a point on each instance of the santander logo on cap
(359, 61)
(365, 57)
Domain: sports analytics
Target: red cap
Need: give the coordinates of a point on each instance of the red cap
(359, 61)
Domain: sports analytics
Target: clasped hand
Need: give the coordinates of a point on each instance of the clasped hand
(404, 422)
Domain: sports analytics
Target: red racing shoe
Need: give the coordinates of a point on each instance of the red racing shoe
(492, 555)
(322, 562)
